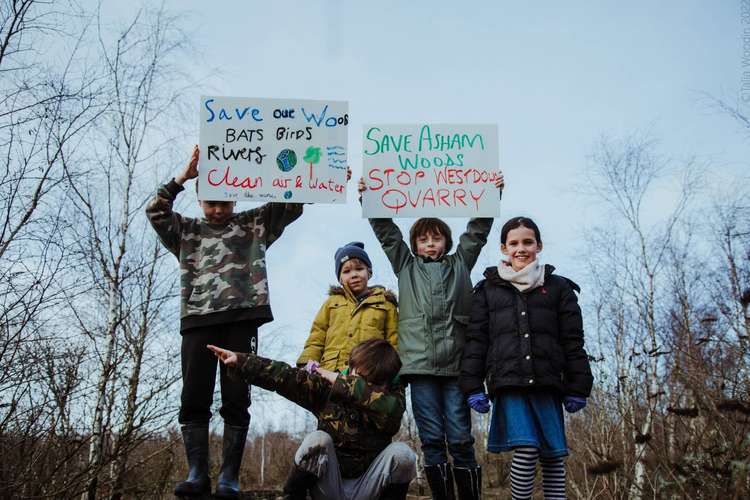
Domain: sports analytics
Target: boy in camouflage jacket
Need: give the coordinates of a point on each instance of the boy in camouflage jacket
(224, 299)
(351, 455)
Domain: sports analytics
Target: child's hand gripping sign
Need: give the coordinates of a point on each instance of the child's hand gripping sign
(437, 170)
(282, 150)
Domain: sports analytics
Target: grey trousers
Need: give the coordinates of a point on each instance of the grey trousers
(397, 463)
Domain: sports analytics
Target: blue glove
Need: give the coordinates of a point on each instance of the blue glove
(574, 403)
(311, 366)
(479, 402)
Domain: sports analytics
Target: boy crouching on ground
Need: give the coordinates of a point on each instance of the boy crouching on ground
(351, 455)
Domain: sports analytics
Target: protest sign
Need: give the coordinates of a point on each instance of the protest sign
(286, 150)
(441, 170)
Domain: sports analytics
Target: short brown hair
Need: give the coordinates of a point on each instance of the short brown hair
(430, 225)
(376, 360)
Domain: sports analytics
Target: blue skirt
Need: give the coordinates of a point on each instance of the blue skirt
(528, 418)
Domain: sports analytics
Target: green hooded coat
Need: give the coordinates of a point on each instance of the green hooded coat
(434, 298)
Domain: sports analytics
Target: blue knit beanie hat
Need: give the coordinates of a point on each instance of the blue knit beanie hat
(353, 250)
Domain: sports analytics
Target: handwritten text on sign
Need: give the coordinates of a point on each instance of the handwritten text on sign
(273, 150)
(430, 170)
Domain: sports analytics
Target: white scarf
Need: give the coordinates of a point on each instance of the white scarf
(525, 280)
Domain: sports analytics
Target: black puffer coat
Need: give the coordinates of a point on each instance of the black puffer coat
(531, 340)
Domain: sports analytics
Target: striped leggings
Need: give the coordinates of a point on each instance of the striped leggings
(523, 470)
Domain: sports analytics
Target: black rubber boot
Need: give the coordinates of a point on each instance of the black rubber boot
(468, 482)
(395, 491)
(195, 438)
(298, 483)
(440, 479)
(228, 485)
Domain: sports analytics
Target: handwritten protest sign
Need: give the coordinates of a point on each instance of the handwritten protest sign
(442, 170)
(273, 150)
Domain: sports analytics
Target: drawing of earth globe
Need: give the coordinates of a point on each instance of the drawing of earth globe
(286, 160)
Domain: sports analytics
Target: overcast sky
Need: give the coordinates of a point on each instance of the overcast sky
(553, 75)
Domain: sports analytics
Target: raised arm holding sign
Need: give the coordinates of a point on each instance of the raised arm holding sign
(224, 299)
(446, 170)
(289, 150)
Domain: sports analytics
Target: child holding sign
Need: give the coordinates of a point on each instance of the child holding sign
(435, 301)
(525, 338)
(224, 299)
(354, 312)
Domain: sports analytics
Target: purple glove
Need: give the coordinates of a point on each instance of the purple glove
(311, 366)
(479, 402)
(573, 403)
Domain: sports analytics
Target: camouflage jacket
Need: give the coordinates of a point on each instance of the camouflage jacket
(360, 419)
(223, 267)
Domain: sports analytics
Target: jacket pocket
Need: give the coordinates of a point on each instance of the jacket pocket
(374, 319)
(549, 351)
(461, 319)
(459, 331)
(330, 358)
(411, 337)
(503, 358)
(558, 359)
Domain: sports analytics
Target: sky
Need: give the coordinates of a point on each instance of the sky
(554, 76)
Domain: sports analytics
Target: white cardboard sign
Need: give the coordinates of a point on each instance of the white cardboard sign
(286, 150)
(442, 170)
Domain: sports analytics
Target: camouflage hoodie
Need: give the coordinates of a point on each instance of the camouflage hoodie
(222, 267)
(360, 418)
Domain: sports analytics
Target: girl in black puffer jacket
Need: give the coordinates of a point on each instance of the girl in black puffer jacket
(525, 338)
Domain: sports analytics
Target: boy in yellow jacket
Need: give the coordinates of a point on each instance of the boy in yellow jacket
(353, 313)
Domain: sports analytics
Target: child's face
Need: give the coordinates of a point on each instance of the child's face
(521, 247)
(217, 212)
(431, 245)
(354, 274)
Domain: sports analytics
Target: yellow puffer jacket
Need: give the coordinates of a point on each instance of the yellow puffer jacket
(342, 323)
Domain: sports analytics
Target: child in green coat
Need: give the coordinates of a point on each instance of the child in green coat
(434, 306)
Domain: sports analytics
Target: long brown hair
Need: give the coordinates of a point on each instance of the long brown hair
(517, 222)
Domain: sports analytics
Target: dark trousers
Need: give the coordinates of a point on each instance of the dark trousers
(199, 373)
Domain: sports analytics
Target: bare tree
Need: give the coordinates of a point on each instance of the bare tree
(124, 258)
(623, 174)
(737, 109)
(87, 293)
(46, 107)
(669, 318)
